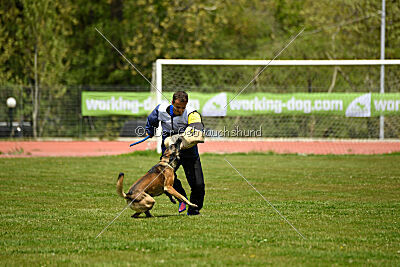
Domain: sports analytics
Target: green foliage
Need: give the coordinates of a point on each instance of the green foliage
(9, 20)
(37, 27)
(346, 206)
(71, 52)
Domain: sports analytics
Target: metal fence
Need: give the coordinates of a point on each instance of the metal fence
(60, 115)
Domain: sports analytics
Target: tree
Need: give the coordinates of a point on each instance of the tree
(44, 53)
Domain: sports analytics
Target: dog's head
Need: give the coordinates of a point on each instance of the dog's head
(171, 154)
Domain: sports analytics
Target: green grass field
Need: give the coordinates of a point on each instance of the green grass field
(348, 208)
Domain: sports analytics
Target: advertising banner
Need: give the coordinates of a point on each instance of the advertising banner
(117, 103)
(228, 104)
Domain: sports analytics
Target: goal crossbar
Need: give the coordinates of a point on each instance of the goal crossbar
(229, 62)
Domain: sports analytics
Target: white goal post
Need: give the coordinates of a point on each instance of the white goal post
(161, 64)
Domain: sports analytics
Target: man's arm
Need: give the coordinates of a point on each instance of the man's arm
(152, 122)
(195, 121)
(194, 132)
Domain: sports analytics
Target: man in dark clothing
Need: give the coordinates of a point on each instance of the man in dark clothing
(179, 119)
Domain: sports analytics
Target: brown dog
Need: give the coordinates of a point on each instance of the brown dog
(158, 180)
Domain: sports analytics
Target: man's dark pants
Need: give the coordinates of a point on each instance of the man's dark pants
(190, 161)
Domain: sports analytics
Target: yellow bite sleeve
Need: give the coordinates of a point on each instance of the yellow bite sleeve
(194, 117)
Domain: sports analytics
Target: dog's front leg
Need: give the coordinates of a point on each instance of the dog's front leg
(170, 197)
(175, 193)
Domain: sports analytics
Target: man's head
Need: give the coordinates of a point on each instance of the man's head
(179, 102)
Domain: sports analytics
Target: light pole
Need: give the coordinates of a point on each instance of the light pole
(11, 104)
(382, 91)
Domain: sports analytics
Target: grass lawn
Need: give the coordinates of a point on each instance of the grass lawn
(348, 208)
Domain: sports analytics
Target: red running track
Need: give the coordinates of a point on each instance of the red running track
(101, 148)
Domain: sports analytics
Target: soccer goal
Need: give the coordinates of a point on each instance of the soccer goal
(287, 99)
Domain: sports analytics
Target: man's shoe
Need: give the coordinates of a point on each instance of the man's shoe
(193, 212)
(182, 207)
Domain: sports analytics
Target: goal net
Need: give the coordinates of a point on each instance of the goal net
(297, 99)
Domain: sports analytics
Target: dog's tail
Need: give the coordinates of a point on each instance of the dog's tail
(120, 183)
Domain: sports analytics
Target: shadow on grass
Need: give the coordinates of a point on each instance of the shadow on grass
(158, 216)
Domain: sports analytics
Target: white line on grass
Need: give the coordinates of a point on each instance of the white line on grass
(258, 74)
(266, 200)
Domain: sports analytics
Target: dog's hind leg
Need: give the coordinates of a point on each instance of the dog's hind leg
(144, 205)
(170, 197)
